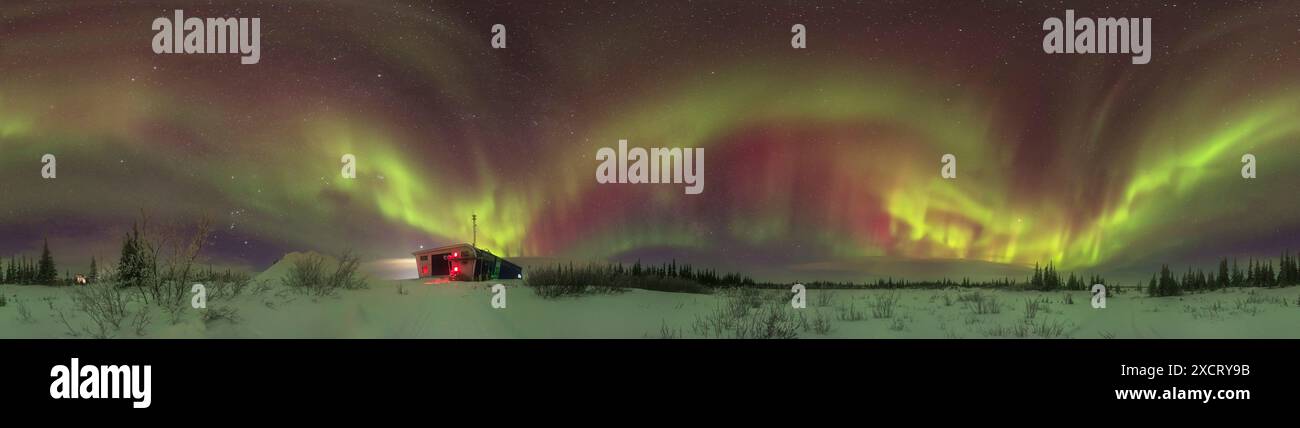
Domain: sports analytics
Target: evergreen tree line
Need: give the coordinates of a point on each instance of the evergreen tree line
(40, 271)
(1047, 278)
(25, 271)
(1256, 273)
(894, 283)
(1043, 279)
(706, 277)
(139, 262)
(20, 271)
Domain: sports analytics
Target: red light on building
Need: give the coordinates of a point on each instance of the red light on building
(455, 268)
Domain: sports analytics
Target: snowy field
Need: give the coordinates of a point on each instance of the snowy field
(419, 309)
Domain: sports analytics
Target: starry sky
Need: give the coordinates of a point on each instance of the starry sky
(819, 161)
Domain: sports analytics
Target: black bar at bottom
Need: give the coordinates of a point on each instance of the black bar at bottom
(357, 375)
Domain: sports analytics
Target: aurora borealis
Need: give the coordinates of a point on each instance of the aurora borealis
(822, 158)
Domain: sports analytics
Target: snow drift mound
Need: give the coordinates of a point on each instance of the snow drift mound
(282, 267)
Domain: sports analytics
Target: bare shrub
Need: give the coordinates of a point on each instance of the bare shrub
(980, 304)
(262, 287)
(140, 322)
(105, 304)
(824, 298)
(821, 325)
(850, 312)
(1212, 311)
(740, 299)
(1033, 306)
(736, 319)
(224, 285)
(776, 323)
(161, 263)
(884, 304)
(1247, 306)
(666, 332)
(24, 313)
(309, 274)
(219, 313)
(1049, 329)
(162, 268)
(1045, 329)
(346, 274)
(560, 290)
(63, 318)
(898, 324)
(722, 321)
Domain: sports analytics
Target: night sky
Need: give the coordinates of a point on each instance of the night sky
(818, 160)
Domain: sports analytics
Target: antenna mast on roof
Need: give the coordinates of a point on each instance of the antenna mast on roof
(474, 243)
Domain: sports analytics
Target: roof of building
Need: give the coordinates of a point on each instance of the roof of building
(445, 248)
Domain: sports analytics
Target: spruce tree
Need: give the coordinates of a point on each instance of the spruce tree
(1290, 274)
(131, 267)
(1168, 285)
(1037, 281)
(46, 274)
(94, 271)
(1284, 269)
(1050, 280)
(1223, 279)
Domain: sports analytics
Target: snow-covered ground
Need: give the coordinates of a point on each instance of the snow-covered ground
(421, 309)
